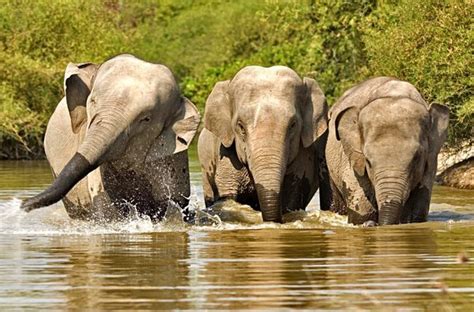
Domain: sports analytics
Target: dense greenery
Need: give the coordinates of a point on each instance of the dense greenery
(338, 42)
(431, 44)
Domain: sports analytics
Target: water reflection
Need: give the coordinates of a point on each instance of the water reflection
(92, 272)
(51, 262)
(320, 268)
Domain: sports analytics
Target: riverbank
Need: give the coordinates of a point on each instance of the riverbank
(456, 167)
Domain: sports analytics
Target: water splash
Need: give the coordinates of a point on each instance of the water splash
(228, 215)
(225, 215)
(53, 220)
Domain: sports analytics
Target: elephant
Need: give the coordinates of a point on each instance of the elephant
(381, 152)
(260, 139)
(117, 142)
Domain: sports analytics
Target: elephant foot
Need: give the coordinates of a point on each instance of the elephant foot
(357, 218)
(205, 217)
(369, 223)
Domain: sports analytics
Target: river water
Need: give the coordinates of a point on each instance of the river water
(230, 260)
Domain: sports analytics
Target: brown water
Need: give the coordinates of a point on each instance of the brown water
(316, 261)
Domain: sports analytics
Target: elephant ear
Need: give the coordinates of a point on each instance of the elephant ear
(348, 132)
(218, 114)
(439, 116)
(178, 132)
(315, 113)
(77, 86)
(184, 126)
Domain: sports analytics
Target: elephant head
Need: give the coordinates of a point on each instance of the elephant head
(268, 115)
(123, 106)
(393, 141)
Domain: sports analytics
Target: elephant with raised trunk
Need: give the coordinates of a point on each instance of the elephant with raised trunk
(382, 152)
(260, 141)
(118, 141)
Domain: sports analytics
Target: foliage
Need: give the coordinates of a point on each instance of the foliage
(431, 44)
(339, 43)
(321, 40)
(37, 40)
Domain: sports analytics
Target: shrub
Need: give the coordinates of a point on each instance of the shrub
(37, 40)
(320, 39)
(430, 44)
(337, 42)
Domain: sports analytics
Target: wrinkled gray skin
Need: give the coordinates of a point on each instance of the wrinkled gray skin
(382, 152)
(259, 142)
(119, 137)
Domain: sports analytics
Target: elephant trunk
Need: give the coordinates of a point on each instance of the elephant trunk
(268, 171)
(101, 135)
(77, 168)
(391, 192)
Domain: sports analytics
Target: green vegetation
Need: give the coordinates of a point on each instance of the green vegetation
(339, 43)
(431, 44)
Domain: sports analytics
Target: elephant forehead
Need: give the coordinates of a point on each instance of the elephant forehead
(386, 111)
(126, 72)
(252, 83)
(265, 91)
(397, 120)
(391, 151)
(129, 90)
(266, 108)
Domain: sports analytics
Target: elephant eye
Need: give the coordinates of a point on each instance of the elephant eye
(145, 119)
(241, 128)
(417, 156)
(293, 125)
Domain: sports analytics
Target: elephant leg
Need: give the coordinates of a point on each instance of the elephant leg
(326, 196)
(296, 193)
(349, 194)
(209, 188)
(301, 181)
(357, 191)
(361, 210)
(333, 200)
(360, 207)
(417, 206)
(208, 153)
(325, 184)
(129, 192)
(233, 181)
(357, 218)
(164, 183)
(174, 175)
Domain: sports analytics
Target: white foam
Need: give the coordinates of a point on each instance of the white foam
(53, 220)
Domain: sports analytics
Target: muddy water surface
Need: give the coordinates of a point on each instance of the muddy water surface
(314, 261)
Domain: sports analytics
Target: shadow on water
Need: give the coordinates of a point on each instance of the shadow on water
(230, 259)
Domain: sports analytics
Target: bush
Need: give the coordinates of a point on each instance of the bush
(430, 44)
(321, 40)
(27, 92)
(339, 43)
(37, 40)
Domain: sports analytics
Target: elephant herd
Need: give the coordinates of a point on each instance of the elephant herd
(118, 142)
